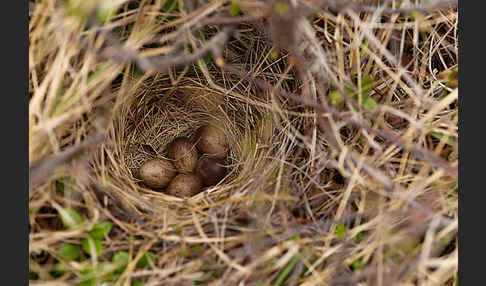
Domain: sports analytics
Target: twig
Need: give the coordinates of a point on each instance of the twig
(341, 5)
(438, 5)
(41, 170)
(162, 65)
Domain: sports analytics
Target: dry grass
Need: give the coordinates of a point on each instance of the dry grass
(351, 193)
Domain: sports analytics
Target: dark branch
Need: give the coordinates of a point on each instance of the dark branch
(162, 65)
(42, 170)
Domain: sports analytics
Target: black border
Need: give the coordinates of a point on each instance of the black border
(14, 263)
(472, 104)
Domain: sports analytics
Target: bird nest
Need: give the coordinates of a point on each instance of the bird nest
(158, 112)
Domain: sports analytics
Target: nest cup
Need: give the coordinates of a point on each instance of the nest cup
(148, 121)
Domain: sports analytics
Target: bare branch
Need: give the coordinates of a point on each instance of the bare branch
(438, 5)
(162, 65)
(341, 5)
(40, 171)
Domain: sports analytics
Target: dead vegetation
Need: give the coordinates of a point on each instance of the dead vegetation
(341, 118)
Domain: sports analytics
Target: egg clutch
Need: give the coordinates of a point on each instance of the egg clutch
(191, 164)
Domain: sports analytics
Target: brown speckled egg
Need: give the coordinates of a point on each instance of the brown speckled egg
(212, 141)
(157, 173)
(184, 154)
(210, 170)
(184, 185)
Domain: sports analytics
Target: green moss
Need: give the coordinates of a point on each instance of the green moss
(281, 8)
(357, 264)
(234, 9)
(340, 230)
(335, 97)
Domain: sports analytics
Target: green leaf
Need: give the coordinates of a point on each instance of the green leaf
(100, 230)
(137, 283)
(76, 11)
(61, 103)
(185, 252)
(357, 264)
(144, 261)
(106, 9)
(439, 136)
(121, 258)
(281, 278)
(349, 89)
(453, 74)
(64, 2)
(84, 280)
(340, 230)
(281, 8)
(416, 15)
(199, 34)
(58, 100)
(234, 9)
(207, 59)
(454, 117)
(70, 251)
(60, 185)
(105, 270)
(101, 68)
(97, 243)
(206, 269)
(177, 230)
(446, 239)
(363, 49)
(335, 97)
(359, 237)
(170, 5)
(274, 54)
(59, 269)
(367, 83)
(196, 248)
(369, 103)
(33, 276)
(70, 217)
(63, 184)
